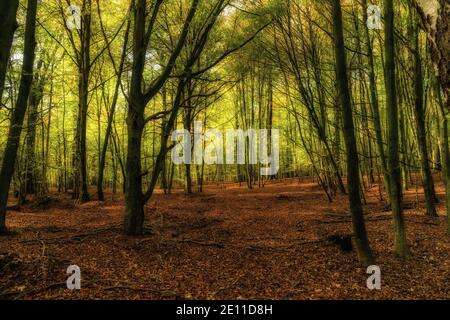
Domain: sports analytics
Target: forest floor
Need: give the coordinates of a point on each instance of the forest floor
(228, 243)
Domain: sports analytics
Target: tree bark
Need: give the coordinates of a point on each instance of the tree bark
(188, 126)
(419, 110)
(353, 183)
(15, 129)
(400, 244)
(375, 104)
(83, 95)
(29, 172)
(446, 158)
(8, 25)
(435, 17)
(444, 110)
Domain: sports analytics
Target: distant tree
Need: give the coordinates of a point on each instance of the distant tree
(29, 171)
(419, 110)
(119, 70)
(375, 101)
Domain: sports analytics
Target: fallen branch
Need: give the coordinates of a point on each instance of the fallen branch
(264, 248)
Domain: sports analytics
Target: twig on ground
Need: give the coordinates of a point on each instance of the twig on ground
(232, 284)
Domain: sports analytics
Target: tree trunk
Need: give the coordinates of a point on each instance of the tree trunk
(134, 204)
(444, 109)
(15, 129)
(400, 244)
(29, 172)
(164, 183)
(101, 169)
(375, 104)
(84, 66)
(419, 110)
(435, 16)
(8, 25)
(353, 183)
(446, 158)
(187, 126)
(135, 200)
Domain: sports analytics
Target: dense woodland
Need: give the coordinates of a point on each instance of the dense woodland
(92, 90)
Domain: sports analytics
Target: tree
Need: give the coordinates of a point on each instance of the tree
(81, 48)
(135, 199)
(81, 42)
(138, 99)
(375, 102)
(419, 110)
(29, 172)
(396, 192)
(15, 129)
(435, 17)
(119, 72)
(353, 182)
(8, 25)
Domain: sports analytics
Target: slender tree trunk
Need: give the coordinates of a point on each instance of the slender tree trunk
(8, 25)
(187, 126)
(84, 67)
(164, 183)
(45, 180)
(101, 169)
(375, 104)
(353, 182)
(12, 145)
(396, 195)
(29, 172)
(446, 158)
(419, 110)
(444, 109)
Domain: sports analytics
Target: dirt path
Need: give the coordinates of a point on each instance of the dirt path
(229, 243)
